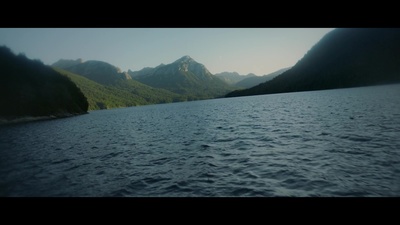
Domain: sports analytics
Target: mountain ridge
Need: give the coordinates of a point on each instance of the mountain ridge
(98, 71)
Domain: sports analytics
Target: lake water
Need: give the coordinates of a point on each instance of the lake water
(342, 142)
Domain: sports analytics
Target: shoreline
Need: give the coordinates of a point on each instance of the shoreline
(27, 119)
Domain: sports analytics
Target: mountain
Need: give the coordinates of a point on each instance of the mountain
(343, 58)
(65, 63)
(143, 71)
(123, 95)
(233, 77)
(29, 88)
(98, 71)
(185, 76)
(249, 80)
(105, 86)
(255, 80)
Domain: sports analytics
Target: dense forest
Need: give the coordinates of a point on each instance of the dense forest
(348, 57)
(122, 93)
(30, 88)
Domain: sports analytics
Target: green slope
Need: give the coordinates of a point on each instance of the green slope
(121, 94)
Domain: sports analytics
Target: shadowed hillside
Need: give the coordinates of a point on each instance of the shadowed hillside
(29, 88)
(342, 58)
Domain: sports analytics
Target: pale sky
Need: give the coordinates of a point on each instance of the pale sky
(243, 50)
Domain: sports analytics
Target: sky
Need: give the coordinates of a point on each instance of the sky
(244, 50)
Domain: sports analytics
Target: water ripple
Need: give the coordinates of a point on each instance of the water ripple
(324, 143)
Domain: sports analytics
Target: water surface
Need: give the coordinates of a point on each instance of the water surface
(343, 142)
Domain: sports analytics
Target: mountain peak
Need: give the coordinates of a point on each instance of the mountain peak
(183, 76)
(185, 58)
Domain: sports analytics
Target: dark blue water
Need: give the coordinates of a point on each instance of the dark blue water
(325, 143)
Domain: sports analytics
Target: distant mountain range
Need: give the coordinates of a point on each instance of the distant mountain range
(348, 57)
(185, 76)
(247, 81)
(183, 80)
(232, 78)
(255, 80)
(106, 86)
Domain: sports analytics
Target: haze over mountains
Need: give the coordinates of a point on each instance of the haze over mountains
(342, 58)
